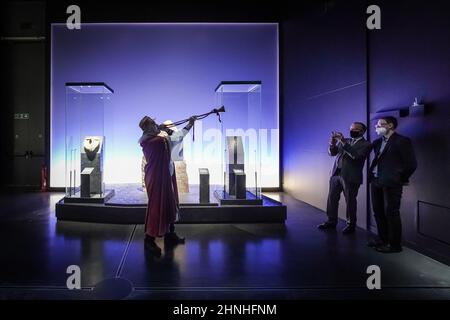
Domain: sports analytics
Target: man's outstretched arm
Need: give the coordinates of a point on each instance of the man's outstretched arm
(179, 135)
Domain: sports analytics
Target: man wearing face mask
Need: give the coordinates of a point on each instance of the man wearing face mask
(160, 182)
(391, 168)
(346, 175)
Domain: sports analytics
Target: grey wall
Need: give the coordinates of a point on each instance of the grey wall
(324, 79)
(23, 91)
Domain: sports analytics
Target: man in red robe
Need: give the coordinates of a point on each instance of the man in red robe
(161, 184)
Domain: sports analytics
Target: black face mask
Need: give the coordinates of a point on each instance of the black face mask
(355, 134)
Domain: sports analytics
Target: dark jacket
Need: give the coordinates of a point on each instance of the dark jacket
(396, 163)
(353, 159)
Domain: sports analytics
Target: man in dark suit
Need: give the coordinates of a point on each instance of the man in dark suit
(391, 168)
(346, 175)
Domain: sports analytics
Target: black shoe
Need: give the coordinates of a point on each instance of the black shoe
(151, 247)
(326, 226)
(375, 243)
(172, 239)
(388, 249)
(349, 229)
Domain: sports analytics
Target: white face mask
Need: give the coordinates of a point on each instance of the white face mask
(381, 131)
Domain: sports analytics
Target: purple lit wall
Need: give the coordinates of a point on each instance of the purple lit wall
(168, 71)
(327, 86)
(324, 91)
(409, 60)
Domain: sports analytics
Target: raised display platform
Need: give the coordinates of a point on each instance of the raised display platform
(98, 198)
(129, 202)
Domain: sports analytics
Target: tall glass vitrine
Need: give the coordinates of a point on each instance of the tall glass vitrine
(85, 141)
(240, 143)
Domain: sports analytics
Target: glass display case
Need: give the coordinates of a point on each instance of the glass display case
(240, 143)
(85, 142)
(217, 164)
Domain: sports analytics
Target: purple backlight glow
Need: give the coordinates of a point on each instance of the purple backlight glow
(164, 70)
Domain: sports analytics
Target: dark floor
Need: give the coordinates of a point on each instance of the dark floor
(227, 261)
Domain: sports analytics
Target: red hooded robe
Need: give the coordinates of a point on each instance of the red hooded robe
(162, 189)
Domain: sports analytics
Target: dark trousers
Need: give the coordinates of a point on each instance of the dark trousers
(386, 208)
(350, 190)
